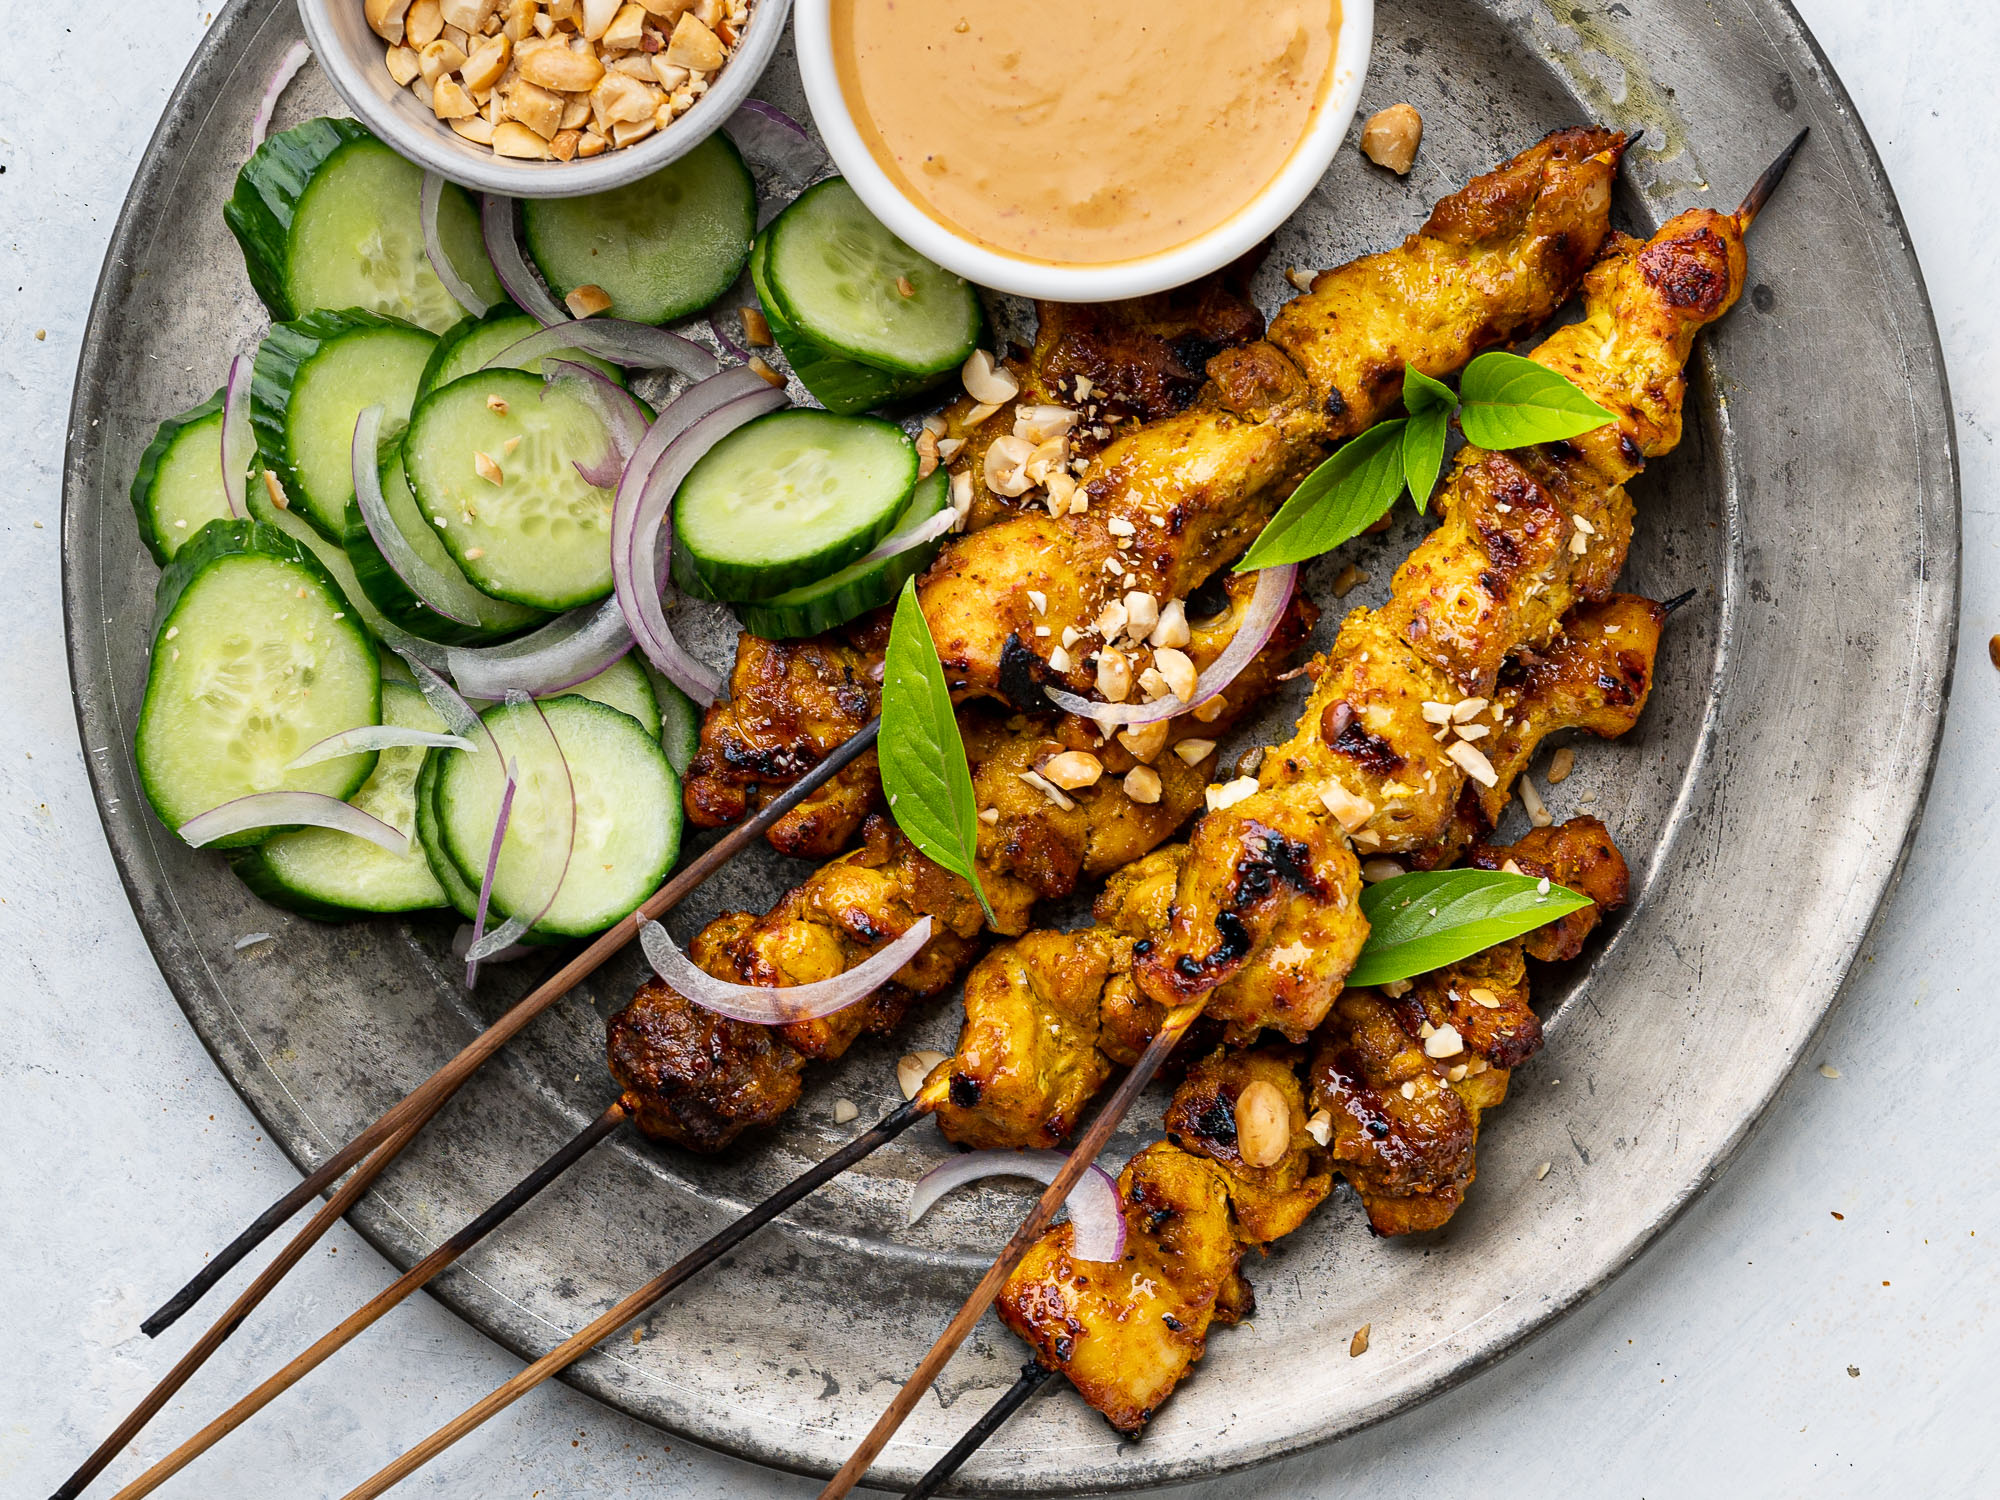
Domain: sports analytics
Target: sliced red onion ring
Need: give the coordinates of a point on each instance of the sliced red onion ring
(624, 419)
(1093, 1203)
(288, 67)
(375, 737)
(773, 140)
(427, 214)
(289, 809)
(718, 324)
(459, 716)
(503, 248)
(929, 529)
(461, 943)
(638, 346)
(768, 1006)
(1260, 621)
(239, 441)
(486, 881)
(450, 594)
(639, 568)
(556, 854)
(570, 649)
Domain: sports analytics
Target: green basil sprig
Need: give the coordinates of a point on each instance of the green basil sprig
(1417, 923)
(921, 753)
(1509, 402)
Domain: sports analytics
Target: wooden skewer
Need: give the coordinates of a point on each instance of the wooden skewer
(1093, 1140)
(430, 1096)
(1172, 1029)
(1033, 1378)
(351, 1328)
(638, 1303)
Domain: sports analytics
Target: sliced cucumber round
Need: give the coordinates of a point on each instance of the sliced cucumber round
(627, 813)
(473, 343)
(842, 385)
(386, 589)
(178, 489)
(332, 875)
(789, 498)
(327, 217)
(625, 686)
(541, 535)
(838, 276)
(680, 721)
(463, 897)
(855, 589)
(331, 556)
(662, 247)
(256, 656)
(312, 378)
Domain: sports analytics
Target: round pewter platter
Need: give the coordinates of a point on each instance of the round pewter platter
(1764, 802)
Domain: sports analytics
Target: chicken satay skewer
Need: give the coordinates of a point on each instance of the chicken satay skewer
(375, 1147)
(1700, 300)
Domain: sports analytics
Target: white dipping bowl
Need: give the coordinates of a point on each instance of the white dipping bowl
(352, 57)
(813, 33)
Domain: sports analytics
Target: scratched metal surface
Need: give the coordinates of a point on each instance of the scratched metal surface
(1816, 518)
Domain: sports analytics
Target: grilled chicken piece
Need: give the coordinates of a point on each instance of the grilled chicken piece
(1268, 1202)
(1405, 1122)
(1265, 921)
(792, 702)
(1177, 500)
(1033, 847)
(1126, 1333)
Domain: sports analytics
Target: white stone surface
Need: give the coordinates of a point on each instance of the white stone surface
(1763, 1347)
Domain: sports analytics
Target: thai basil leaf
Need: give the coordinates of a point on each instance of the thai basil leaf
(1431, 403)
(922, 756)
(1511, 402)
(1422, 394)
(1417, 923)
(1339, 500)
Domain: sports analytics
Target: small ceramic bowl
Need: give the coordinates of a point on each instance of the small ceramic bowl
(352, 56)
(812, 31)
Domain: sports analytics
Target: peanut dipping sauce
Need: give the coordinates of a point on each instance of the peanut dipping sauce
(1083, 132)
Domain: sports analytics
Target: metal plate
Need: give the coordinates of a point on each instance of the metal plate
(1765, 801)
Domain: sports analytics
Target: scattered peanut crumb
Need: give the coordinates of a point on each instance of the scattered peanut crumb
(903, 287)
(1560, 765)
(1828, 1070)
(764, 371)
(484, 466)
(497, 403)
(1350, 579)
(844, 1110)
(1543, 1170)
(756, 328)
(43, 333)
(587, 301)
(638, 1334)
(1301, 280)
(1391, 137)
(1358, 1345)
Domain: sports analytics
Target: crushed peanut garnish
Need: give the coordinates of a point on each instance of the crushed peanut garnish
(1230, 793)
(1194, 752)
(914, 1069)
(487, 469)
(1560, 765)
(1142, 784)
(1073, 769)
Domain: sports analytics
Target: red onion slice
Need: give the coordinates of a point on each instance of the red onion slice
(638, 568)
(459, 716)
(571, 648)
(1260, 621)
(1094, 1211)
(486, 881)
(461, 943)
(288, 67)
(450, 594)
(766, 1005)
(638, 346)
(771, 139)
(375, 737)
(427, 214)
(929, 529)
(290, 809)
(557, 850)
(624, 418)
(503, 248)
(718, 324)
(239, 441)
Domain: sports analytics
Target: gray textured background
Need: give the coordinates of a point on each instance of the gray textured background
(1722, 1362)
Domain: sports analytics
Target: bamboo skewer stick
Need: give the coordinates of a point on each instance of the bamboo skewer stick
(1033, 1378)
(638, 1303)
(357, 1323)
(1086, 1150)
(430, 1096)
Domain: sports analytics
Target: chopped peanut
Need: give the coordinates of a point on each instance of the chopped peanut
(385, 19)
(1142, 785)
(422, 23)
(1391, 137)
(587, 301)
(1073, 769)
(1144, 742)
(694, 45)
(1114, 675)
(512, 138)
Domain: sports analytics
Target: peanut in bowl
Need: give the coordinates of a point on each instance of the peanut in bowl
(543, 98)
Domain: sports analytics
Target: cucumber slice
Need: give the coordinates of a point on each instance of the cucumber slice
(628, 812)
(470, 343)
(178, 489)
(385, 587)
(333, 875)
(463, 897)
(327, 217)
(838, 275)
(789, 498)
(625, 686)
(680, 721)
(855, 589)
(312, 378)
(843, 386)
(255, 657)
(540, 537)
(662, 247)
(333, 559)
